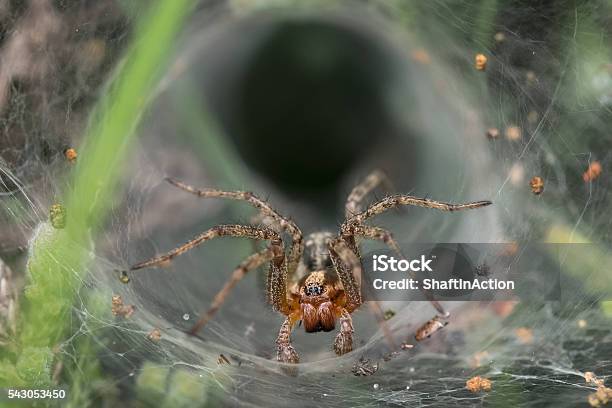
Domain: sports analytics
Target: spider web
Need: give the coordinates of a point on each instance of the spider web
(535, 353)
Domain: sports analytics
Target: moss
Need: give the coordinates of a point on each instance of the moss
(151, 384)
(34, 366)
(186, 389)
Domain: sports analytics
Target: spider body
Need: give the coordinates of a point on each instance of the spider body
(316, 281)
(318, 290)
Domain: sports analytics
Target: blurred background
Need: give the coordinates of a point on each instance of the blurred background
(297, 101)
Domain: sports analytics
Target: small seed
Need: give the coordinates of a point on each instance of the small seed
(537, 185)
(480, 62)
(492, 133)
(592, 172)
(513, 133)
(154, 335)
(71, 155)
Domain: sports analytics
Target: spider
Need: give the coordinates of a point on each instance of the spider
(314, 281)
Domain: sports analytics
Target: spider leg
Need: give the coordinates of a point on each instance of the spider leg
(285, 352)
(381, 234)
(377, 234)
(360, 191)
(354, 223)
(375, 305)
(214, 232)
(347, 264)
(260, 220)
(343, 343)
(277, 274)
(297, 244)
(398, 200)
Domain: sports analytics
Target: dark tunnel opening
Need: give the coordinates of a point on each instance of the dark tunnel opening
(309, 103)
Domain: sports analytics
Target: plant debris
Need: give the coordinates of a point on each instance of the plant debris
(513, 133)
(480, 62)
(223, 360)
(524, 335)
(429, 328)
(123, 277)
(154, 335)
(592, 172)
(537, 185)
(364, 367)
(57, 216)
(492, 133)
(591, 378)
(477, 384)
(389, 314)
(71, 155)
(602, 396)
(119, 309)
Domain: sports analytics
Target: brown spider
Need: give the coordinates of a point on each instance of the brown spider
(315, 282)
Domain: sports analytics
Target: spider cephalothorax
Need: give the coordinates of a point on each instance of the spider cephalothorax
(315, 285)
(317, 281)
(317, 298)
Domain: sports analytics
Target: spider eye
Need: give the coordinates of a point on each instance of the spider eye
(313, 290)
